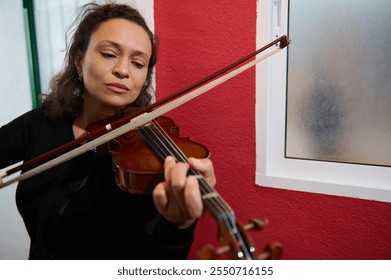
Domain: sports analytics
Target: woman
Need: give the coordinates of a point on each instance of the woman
(75, 210)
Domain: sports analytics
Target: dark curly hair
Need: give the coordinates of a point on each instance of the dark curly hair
(65, 98)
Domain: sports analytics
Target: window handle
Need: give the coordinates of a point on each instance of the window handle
(276, 18)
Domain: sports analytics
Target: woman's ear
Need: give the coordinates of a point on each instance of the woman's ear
(78, 62)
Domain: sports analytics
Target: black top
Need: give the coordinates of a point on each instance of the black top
(75, 210)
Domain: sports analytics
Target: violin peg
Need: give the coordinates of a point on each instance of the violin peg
(209, 252)
(256, 224)
(273, 251)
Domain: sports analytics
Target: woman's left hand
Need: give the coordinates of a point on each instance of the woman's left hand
(178, 198)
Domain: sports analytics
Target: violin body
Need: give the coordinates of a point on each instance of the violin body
(138, 168)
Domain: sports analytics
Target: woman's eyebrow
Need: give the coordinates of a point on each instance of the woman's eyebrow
(119, 46)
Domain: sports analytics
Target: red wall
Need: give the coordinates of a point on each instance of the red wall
(200, 37)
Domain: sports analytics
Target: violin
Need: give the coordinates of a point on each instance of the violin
(138, 159)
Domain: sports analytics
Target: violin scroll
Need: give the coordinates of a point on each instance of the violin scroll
(231, 247)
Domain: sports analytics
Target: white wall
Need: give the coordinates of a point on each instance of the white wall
(15, 99)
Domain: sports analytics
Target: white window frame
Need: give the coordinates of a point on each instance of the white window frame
(272, 168)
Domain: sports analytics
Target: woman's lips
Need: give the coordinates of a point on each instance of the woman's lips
(117, 88)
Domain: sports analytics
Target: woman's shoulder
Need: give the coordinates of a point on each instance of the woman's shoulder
(33, 114)
(38, 116)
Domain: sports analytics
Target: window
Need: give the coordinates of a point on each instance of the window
(323, 106)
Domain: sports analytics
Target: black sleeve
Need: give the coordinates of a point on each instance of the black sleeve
(168, 241)
(16, 136)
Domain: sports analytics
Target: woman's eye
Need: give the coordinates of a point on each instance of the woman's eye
(107, 55)
(138, 64)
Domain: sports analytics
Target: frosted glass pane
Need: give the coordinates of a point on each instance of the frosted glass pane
(339, 81)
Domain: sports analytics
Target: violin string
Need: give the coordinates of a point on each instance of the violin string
(217, 206)
(161, 140)
(154, 136)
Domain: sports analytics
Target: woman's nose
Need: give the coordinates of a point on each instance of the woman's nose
(121, 69)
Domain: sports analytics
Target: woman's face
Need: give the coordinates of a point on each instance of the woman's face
(115, 64)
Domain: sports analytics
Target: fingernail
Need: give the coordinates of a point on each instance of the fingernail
(169, 158)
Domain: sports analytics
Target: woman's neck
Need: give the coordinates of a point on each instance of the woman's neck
(91, 113)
